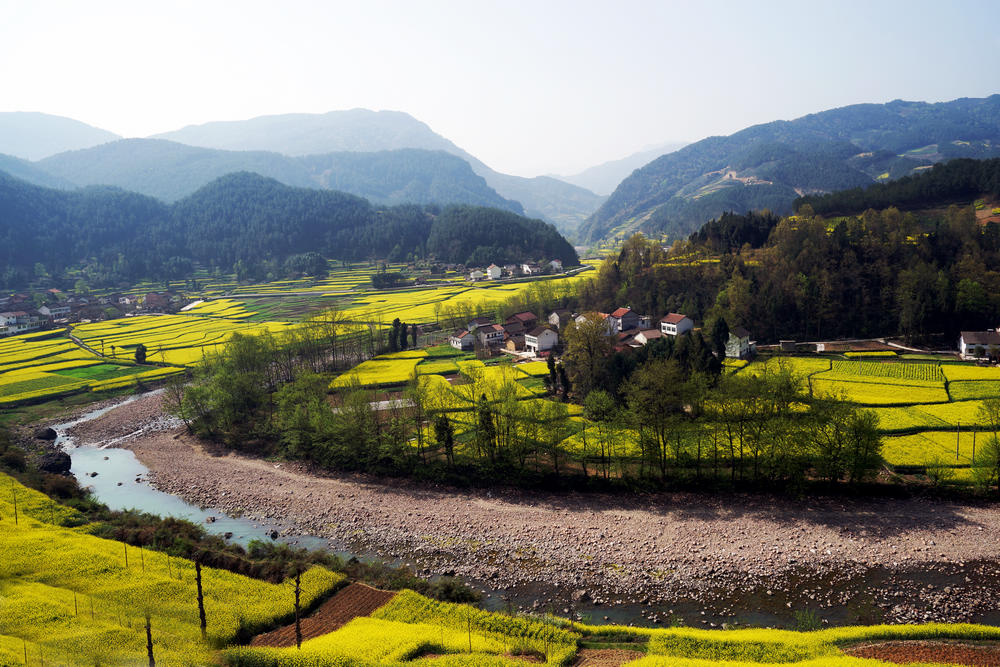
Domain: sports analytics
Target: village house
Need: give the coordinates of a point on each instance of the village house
(54, 311)
(540, 339)
(476, 275)
(477, 322)
(154, 301)
(493, 272)
(675, 324)
(18, 321)
(560, 317)
(529, 269)
(646, 335)
(556, 265)
(513, 342)
(462, 340)
(526, 318)
(491, 335)
(623, 319)
(978, 344)
(738, 345)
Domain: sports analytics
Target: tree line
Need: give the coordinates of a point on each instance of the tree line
(882, 273)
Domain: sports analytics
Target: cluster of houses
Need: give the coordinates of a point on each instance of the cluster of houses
(522, 332)
(19, 314)
(494, 272)
(632, 330)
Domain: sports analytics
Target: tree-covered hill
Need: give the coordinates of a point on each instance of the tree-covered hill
(171, 171)
(247, 223)
(770, 165)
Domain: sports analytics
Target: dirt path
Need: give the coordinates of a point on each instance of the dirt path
(355, 600)
(714, 557)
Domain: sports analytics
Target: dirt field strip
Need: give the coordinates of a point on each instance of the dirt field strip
(355, 600)
(905, 652)
(605, 657)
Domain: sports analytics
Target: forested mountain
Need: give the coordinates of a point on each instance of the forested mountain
(31, 173)
(247, 223)
(605, 177)
(170, 171)
(33, 136)
(405, 176)
(362, 130)
(770, 165)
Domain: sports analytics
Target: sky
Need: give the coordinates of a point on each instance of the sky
(528, 87)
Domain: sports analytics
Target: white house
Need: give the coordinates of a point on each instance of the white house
(675, 324)
(493, 272)
(476, 275)
(738, 345)
(462, 340)
(560, 318)
(623, 319)
(969, 341)
(647, 335)
(54, 311)
(18, 321)
(528, 269)
(540, 339)
(491, 334)
(556, 264)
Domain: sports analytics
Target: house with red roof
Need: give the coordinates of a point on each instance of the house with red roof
(675, 324)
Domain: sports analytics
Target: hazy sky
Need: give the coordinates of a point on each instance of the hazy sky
(528, 87)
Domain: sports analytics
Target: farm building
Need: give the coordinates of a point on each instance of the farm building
(556, 264)
(493, 272)
(979, 344)
(646, 335)
(561, 317)
(675, 324)
(476, 275)
(738, 345)
(491, 335)
(529, 320)
(477, 322)
(18, 321)
(623, 319)
(462, 340)
(54, 310)
(540, 339)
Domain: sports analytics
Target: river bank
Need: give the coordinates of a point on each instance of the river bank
(707, 559)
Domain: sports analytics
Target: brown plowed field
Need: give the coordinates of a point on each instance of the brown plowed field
(903, 652)
(355, 600)
(605, 657)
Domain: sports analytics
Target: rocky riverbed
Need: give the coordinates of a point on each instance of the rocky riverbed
(705, 559)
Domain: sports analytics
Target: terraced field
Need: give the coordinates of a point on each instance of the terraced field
(47, 365)
(70, 598)
(922, 408)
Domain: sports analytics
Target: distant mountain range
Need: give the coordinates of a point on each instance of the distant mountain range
(362, 130)
(170, 171)
(32, 136)
(770, 165)
(604, 178)
(294, 149)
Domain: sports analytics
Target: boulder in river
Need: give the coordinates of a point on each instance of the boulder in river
(46, 434)
(56, 462)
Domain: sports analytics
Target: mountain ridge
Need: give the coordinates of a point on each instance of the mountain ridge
(771, 164)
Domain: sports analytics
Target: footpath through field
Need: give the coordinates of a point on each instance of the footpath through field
(355, 600)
